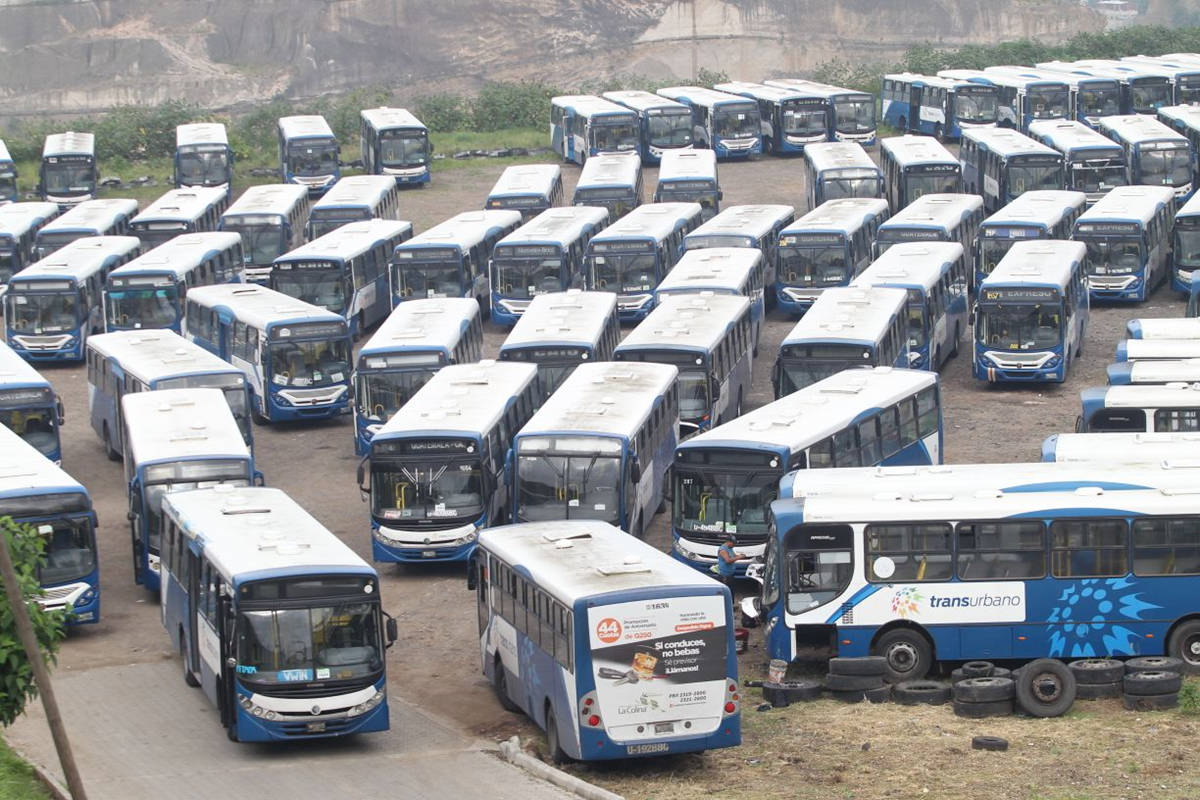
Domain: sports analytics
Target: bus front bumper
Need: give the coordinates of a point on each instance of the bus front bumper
(408, 177)
(64, 347)
(794, 300)
(274, 719)
(738, 148)
(704, 556)
(1117, 288)
(406, 547)
(507, 312)
(291, 404)
(635, 307)
(1181, 280)
(82, 598)
(999, 367)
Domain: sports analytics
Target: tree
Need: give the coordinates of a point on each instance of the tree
(17, 686)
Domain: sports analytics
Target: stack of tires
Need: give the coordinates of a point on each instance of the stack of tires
(1097, 678)
(784, 693)
(982, 697)
(921, 693)
(1045, 687)
(1152, 683)
(978, 669)
(853, 680)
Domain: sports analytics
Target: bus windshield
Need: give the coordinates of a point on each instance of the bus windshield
(1187, 247)
(1044, 104)
(284, 646)
(980, 109)
(262, 238)
(8, 182)
(401, 150)
(1165, 167)
(554, 486)
(614, 137)
(323, 222)
(310, 364)
(319, 287)
(181, 477)
(528, 277)
(802, 121)
(1097, 176)
(68, 178)
(850, 183)
(993, 249)
(1099, 102)
(632, 272)
(49, 243)
(1147, 98)
(1020, 326)
(43, 312)
(422, 487)
(152, 307)
(856, 115)
(8, 261)
(203, 169)
(70, 554)
(735, 122)
(670, 130)
(1113, 256)
(693, 395)
(717, 501)
(312, 159)
(1028, 177)
(920, 183)
(381, 394)
(813, 267)
(37, 426)
(821, 362)
(915, 318)
(420, 278)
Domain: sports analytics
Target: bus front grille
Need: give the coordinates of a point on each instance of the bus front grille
(293, 692)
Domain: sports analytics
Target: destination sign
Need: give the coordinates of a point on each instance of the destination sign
(932, 168)
(1052, 159)
(1102, 228)
(429, 254)
(11, 397)
(621, 247)
(1019, 294)
(909, 235)
(685, 186)
(810, 239)
(69, 159)
(304, 265)
(412, 446)
(308, 330)
(518, 202)
(528, 250)
(40, 286)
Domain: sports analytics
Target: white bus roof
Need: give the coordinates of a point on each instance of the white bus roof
(1044, 262)
(943, 211)
(711, 269)
(188, 204)
(1139, 128)
(382, 119)
(848, 314)
(92, 215)
(1190, 208)
(557, 225)
(460, 399)
(933, 80)
(259, 306)
(80, 258)
(1167, 395)
(577, 559)
(260, 532)
(350, 240)
(268, 199)
(642, 101)
(1185, 370)
(1127, 204)
(1007, 143)
(843, 215)
(16, 219)
(605, 397)
(610, 169)
(760, 91)
(179, 255)
(154, 355)
(195, 133)
(911, 264)
(357, 190)
(180, 424)
(1104, 68)
(422, 324)
(812, 88)
(463, 231)
(1166, 328)
(1187, 115)
(822, 156)
(589, 105)
(16, 371)
(69, 143)
(750, 220)
(4, 156)
(1069, 78)
(687, 165)
(810, 414)
(1002, 79)
(690, 322)
(571, 317)
(1125, 448)
(1159, 349)
(649, 221)
(909, 150)
(1170, 66)
(1069, 135)
(525, 179)
(24, 471)
(698, 95)
(310, 126)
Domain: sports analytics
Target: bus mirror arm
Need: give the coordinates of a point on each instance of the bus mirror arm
(363, 491)
(392, 630)
(58, 408)
(259, 480)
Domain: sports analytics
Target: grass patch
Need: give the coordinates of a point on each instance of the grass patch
(448, 142)
(16, 778)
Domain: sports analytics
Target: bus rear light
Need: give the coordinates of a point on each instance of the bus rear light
(594, 721)
(730, 707)
(733, 687)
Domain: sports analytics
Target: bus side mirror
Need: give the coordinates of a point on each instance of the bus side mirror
(259, 480)
(58, 408)
(1080, 426)
(669, 485)
(971, 317)
(472, 571)
(392, 629)
(363, 491)
(508, 468)
(720, 194)
(635, 470)
(714, 386)
(775, 377)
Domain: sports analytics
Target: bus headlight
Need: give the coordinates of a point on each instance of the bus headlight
(370, 704)
(86, 597)
(280, 400)
(683, 551)
(255, 711)
(1054, 361)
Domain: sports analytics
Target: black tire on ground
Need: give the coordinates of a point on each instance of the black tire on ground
(978, 669)
(1153, 664)
(984, 690)
(1152, 702)
(557, 754)
(1098, 691)
(909, 655)
(801, 690)
(1046, 688)
(957, 336)
(1097, 670)
(849, 697)
(1184, 644)
(993, 743)
(1000, 672)
(500, 682)
(865, 665)
(852, 683)
(914, 693)
(880, 695)
(1001, 708)
(773, 694)
(1151, 683)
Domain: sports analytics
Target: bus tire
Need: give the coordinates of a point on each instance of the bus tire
(1153, 664)
(188, 676)
(1148, 683)
(984, 690)
(231, 731)
(1045, 688)
(500, 682)
(557, 754)
(937, 132)
(909, 654)
(112, 454)
(903, 124)
(1184, 644)
(957, 336)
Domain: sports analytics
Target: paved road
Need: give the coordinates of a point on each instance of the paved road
(138, 732)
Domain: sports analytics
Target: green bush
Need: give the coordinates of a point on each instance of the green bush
(512, 105)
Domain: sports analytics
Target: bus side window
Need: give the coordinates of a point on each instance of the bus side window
(1088, 548)
(919, 551)
(1168, 546)
(869, 442)
(927, 411)
(1013, 550)
(1177, 420)
(845, 449)
(252, 345)
(908, 422)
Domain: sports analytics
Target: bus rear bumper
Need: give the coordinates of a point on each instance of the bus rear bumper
(598, 746)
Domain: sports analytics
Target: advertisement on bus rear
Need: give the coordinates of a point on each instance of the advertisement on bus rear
(659, 663)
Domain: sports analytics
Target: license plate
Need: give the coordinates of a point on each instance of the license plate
(316, 727)
(641, 749)
(664, 727)
(429, 554)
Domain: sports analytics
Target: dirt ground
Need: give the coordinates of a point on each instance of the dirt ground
(436, 661)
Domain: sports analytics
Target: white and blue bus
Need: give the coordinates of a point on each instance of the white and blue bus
(738, 271)
(792, 119)
(276, 619)
(437, 467)
(544, 255)
(690, 176)
(89, 218)
(725, 479)
(527, 188)
(29, 406)
(68, 172)
(1150, 350)
(19, 226)
(1002, 165)
(846, 327)
(345, 272)
(582, 126)
(1155, 155)
(1185, 252)
(8, 175)
(308, 153)
(149, 291)
(1128, 238)
(575, 619)
(725, 123)
(1022, 99)
(840, 170)
(1142, 91)
(756, 226)
(662, 124)
(612, 181)
(1031, 314)
(710, 340)
(935, 218)
(1140, 408)
(1186, 121)
(358, 198)
(851, 113)
(37, 493)
(296, 357)
(142, 361)
(634, 254)
(203, 157)
(939, 107)
(1184, 75)
(914, 166)
(179, 211)
(599, 447)
(270, 219)
(561, 330)
(395, 143)
(451, 259)
(935, 276)
(1163, 328)
(175, 440)
(1158, 373)
(54, 305)
(1046, 214)
(1093, 163)
(1123, 448)
(826, 247)
(416, 340)
(1092, 96)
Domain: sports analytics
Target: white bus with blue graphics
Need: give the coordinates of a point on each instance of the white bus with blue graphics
(270, 219)
(1139, 350)
(68, 174)
(851, 113)
(738, 271)
(561, 330)
(358, 198)
(143, 361)
(1124, 448)
(1184, 75)
(1163, 328)
(1128, 238)
(1185, 251)
(792, 119)
(575, 619)
(725, 479)
(54, 305)
(1022, 99)
(527, 188)
(543, 255)
(203, 156)
(148, 292)
(1140, 408)
(413, 343)
(828, 246)
(308, 153)
(663, 124)
(938, 107)
(179, 211)
(37, 493)
(839, 170)
(582, 126)
(1142, 91)
(275, 618)
(690, 176)
(1092, 96)
(451, 259)
(725, 123)
(1155, 155)
(1158, 373)
(756, 226)
(176, 440)
(395, 143)
(28, 405)
(846, 327)
(437, 467)
(345, 272)
(1186, 121)
(1031, 315)
(19, 226)
(633, 255)
(1093, 163)
(935, 218)
(599, 447)
(612, 181)
(89, 218)
(8, 176)
(1045, 214)
(915, 166)
(1002, 165)
(935, 276)
(296, 357)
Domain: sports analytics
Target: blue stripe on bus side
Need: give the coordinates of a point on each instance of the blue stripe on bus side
(858, 597)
